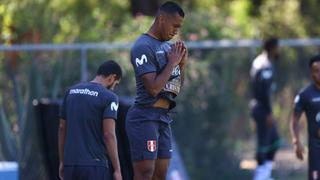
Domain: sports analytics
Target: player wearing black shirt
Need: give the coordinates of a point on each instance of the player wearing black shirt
(308, 101)
(262, 79)
(87, 140)
(159, 67)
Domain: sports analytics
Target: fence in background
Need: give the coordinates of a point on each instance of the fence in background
(210, 44)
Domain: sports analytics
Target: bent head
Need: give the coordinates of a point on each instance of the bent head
(271, 46)
(110, 74)
(314, 65)
(169, 20)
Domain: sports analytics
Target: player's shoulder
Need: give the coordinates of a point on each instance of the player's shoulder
(307, 90)
(261, 66)
(143, 42)
(110, 94)
(86, 85)
(261, 62)
(76, 86)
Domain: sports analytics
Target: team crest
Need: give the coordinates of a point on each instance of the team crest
(152, 145)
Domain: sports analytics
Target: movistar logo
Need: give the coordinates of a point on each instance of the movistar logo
(142, 60)
(114, 106)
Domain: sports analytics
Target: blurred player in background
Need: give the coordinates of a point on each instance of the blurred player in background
(262, 76)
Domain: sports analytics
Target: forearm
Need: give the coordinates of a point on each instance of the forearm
(61, 141)
(112, 150)
(160, 80)
(294, 128)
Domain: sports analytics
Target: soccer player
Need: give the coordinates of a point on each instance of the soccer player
(268, 140)
(87, 140)
(308, 101)
(159, 67)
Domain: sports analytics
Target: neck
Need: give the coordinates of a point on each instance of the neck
(317, 85)
(153, 31)
(99, 80)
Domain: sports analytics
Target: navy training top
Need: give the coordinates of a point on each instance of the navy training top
(308, 101)
(85, 106)
(262, 82)
(149, 55)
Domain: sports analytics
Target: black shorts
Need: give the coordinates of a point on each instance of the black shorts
(149, 133)
(87, 173)
(268, 139)
(314, 159)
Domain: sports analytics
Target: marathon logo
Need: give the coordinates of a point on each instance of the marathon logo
(84, 91)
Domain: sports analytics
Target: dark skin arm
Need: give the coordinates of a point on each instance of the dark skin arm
(154, 83)
(110, 141)
(270, 120)
(61, 140)
(295, 130)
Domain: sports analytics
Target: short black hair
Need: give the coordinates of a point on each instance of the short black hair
(270, 42)
(313, 59)
(171, 8)
(109, 67)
